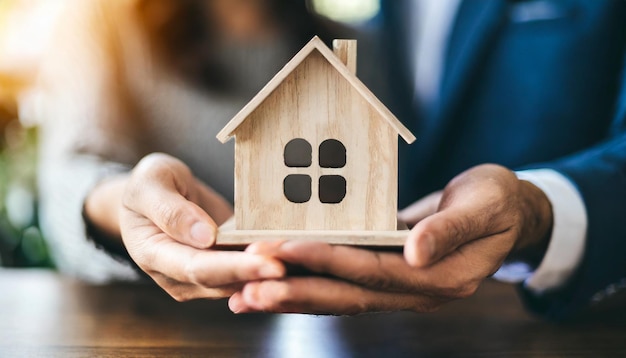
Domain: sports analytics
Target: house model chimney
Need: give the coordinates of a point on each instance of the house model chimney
(346, 51)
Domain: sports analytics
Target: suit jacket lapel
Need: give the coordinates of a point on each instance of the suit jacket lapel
(619, 122)
(397, 20)
(475, 28)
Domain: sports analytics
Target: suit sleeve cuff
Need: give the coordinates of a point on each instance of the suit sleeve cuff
(567, 243)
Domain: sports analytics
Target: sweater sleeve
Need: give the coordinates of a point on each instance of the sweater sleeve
(88, 131)
(64, 183)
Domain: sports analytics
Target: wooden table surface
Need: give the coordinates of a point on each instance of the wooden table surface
(43, 314)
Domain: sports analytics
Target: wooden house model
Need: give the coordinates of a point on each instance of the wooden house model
(316, 156)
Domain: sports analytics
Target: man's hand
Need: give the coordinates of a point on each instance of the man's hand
(168, 221)
(461, 236)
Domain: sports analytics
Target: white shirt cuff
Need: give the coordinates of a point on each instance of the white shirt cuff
(567, 243)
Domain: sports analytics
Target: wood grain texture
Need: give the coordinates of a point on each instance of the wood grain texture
(346, 52)
(46, 315)
(316, 103)
(229, 236)
(356, 238)
(315, 44)
(316, 97)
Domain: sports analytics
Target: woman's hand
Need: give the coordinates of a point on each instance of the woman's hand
(168, 221)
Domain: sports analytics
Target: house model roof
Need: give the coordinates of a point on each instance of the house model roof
(315, 44)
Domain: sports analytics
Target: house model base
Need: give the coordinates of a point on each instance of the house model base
(316, 157)
(229, 236)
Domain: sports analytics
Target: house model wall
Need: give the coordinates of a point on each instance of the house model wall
(315, 149)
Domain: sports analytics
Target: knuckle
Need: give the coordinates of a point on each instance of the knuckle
(284, 296)
(180, 295)
(191, 270)
(176, 290)
(281, 298)
(453, 287)
(131, 195)
(218, 293)
(181, 292)
(144, 257)
(153, 165)
(155, 159)
(157, 167)
(274, 306)
(143, 260)
(376, 282)
(461, 291)
(170, 216)
(246, 271)
(430, 308)
(464, 227)
(466, 291)
(360, 306)
(422, 306)
(458, 229)
(241, 272)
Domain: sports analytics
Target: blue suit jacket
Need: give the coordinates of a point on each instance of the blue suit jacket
(528, 84)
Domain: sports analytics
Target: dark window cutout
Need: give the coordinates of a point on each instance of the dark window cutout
(332, 189)
(297, 188)
(298, 153)
(332, 154)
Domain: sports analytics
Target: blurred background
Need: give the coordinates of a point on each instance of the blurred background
(25, 28)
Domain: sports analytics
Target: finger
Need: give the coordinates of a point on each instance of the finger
(377, 270)
(214, 204)
(456, 276)
(421, 209)
(317, 295)
(182, 292)
(267, 248)
(483, 257)
(237, 304)
(460, 273)
(441, 233)
(208, 268)
(179, 218)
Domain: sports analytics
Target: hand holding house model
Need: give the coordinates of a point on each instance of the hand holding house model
(316, 156)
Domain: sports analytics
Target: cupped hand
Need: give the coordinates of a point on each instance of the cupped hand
(168, 223)
(462, 235)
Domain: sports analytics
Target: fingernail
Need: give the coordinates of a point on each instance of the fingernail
(271, 271)
(202, 233)
(236, 304)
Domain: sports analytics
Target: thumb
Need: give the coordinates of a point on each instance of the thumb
(440, 234)
(179, 218)
(159, 190)
(421, 209)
